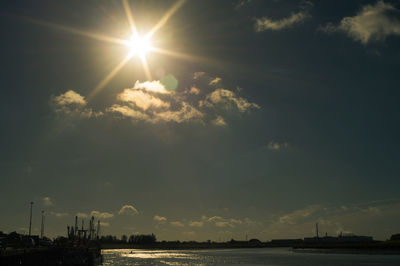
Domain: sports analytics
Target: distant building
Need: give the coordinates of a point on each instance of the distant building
(339, 239)
(395, 237)
(285, 242)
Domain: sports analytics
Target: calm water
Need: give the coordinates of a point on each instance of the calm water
(265, 256)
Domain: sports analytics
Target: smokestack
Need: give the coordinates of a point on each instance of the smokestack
(76, 225)
(316, 229)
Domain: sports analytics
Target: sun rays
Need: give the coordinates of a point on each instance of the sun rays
(138, 46)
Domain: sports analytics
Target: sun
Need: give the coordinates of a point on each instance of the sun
(139, 45)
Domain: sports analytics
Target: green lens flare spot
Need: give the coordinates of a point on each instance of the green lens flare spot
(169, 82)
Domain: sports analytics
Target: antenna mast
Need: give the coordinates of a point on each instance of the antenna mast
(42, 227)
(30, 220)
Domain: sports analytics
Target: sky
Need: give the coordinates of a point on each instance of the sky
(216, 120)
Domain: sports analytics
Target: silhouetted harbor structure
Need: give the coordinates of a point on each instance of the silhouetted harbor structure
(80, 247)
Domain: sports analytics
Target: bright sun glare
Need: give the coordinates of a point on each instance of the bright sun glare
(139, 45)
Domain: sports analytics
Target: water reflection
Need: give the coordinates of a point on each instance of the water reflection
(264, 256)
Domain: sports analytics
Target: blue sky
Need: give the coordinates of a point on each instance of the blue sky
(251, 117)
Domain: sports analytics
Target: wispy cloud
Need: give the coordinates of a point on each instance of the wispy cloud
(101, 215)
(266, 23)
(82, 215)
(160, 219)
(104, 224)
(59, 214)
(96, 214)
(196, 223)
(357, 218)
(214, 81)
(128, 209)
(372, 23)
(223, 222)
(177, 224)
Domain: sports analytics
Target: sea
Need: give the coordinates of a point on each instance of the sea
(243, 257)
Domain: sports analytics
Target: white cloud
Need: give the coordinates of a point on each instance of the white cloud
(160, 219)
(371, 23)
(177, 224)
(46, 201)
(266, 23)
(128, 209)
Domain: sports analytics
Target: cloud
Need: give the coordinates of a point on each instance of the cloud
(159, 219)
(46, 201)
(215, 81)
(276, 146)
(186, 113)
(72, 104)
(82, 215)
(104, 224)
(298, 215)
(196, 223)
(128, 209)
(372, 23)
(96, 214)
(152, 103)
(265, 23)
(142, 99)
(194, 90)
(70, 97)
(151, 86)
(101, 215)
(59, 214)
(177, 224)
(127, 111)
(224, 222)
(227, 98)
(219, 121)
